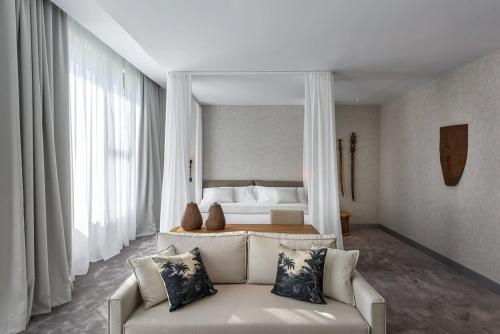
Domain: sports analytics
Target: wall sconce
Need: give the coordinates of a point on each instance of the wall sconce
(190, 168)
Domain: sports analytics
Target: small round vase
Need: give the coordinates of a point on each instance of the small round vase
(191, 219)
(215, 220)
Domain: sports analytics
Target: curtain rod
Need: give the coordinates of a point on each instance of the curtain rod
(250, 72)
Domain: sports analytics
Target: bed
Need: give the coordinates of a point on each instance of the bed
(252, 212)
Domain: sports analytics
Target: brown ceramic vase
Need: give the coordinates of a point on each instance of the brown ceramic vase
(215, 220)
(191, 219)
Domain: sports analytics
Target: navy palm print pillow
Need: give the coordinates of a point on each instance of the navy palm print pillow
(300, 274)
(185, 278)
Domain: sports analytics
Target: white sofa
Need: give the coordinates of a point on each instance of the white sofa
(241, 267)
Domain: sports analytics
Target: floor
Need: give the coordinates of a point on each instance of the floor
(423, 295)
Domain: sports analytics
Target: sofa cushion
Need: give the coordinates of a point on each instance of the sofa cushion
(337, 276)
(263, 249)
(150, 283)
(241, 309)
(223, 254)
(300, 274)
(185, 278)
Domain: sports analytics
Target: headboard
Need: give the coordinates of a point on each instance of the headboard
(271, 183)
(245, 183)
(227, 183)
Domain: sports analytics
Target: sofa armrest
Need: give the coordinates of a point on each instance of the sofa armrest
(369, 304)
(122, 303)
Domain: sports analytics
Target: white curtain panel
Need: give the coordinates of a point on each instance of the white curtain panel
(198, 159)
(175, 189)
(105, 105)
(320, 167)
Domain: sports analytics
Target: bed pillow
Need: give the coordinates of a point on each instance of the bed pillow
(299, 274)
(185, 277)
(302, 195)
(276, 194)
(219, 195)
(285, 195)
(244, 194)
(264, 194)
(150, 283)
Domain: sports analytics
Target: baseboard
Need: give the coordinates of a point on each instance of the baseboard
(478, 278)
(354, 226)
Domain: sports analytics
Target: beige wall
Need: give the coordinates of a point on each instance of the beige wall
(365, 121)
(265, 142)
(462, 222)
(252, 142)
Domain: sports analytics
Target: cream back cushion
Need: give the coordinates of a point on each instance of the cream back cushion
(223, 254)
(150, 283)
(263, 249)
(337, 275)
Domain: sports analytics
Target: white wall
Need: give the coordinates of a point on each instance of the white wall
(365, 121)
(462, 222)
(265, 142)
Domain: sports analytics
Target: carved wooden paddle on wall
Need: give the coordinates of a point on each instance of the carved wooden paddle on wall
(341, 168)
(353, 150)
(453, 144)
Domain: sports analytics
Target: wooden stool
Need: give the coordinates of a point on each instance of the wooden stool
(344, 221)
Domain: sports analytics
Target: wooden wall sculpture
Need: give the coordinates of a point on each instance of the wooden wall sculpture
(453, 144)
(353, 150)
(341, 167)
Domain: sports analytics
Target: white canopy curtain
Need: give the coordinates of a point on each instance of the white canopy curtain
(106, 103)
(320, 166)
(176, 189)
(198, 153)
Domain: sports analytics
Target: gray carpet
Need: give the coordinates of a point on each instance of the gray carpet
(423, 295)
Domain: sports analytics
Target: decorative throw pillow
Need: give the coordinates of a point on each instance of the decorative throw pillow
(337, 276)
(150, 283)
(300, 274)
(185, 278)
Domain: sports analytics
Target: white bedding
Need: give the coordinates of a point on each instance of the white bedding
(254, 207)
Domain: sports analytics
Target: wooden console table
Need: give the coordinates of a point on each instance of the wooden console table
(268, 228)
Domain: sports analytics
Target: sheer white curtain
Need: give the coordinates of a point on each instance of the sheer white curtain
(320, 167)
(198, 156)
(104, 110)
(175, 189)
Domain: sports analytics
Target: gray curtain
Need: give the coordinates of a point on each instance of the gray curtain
(149, 159)
(35, 180)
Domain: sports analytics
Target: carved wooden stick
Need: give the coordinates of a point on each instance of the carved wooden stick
(341, 168)
(353, 149)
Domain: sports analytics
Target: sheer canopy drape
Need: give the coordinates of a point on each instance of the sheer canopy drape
(198, 153)
(35, 240)
(320, 167)
(175, 189)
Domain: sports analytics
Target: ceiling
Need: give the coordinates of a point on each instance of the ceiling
(377, 49)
